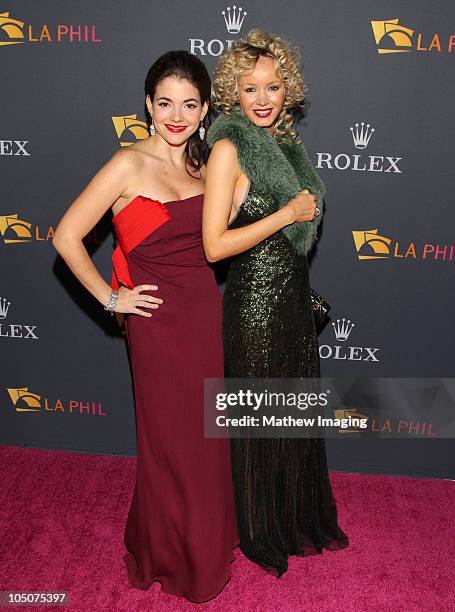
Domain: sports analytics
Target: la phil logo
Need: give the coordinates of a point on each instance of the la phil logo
(233, 19)
(24, 400)
(342, 329)
(392, 37)
(14, 330)
(129, 129)
(17, 231)
(352, 413)
(361, 134)
(371, 245)
(383, 427)
(16, 32)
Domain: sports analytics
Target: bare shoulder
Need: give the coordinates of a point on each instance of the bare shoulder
(224, 152)
(125, 159)
(224, 146)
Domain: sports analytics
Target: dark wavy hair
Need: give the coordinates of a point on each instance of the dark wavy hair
(183, 65)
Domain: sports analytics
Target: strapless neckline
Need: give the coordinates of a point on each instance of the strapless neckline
(143, 197)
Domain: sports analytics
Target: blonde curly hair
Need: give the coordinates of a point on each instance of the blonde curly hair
(242, 57)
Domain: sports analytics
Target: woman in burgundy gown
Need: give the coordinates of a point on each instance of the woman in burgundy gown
(181, 501)
(181, 527)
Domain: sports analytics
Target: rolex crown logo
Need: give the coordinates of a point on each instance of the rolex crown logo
(361, 135)
(342, 329)
(4, 306)
(233, 18)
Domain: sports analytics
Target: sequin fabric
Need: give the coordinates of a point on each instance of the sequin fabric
(284, 500)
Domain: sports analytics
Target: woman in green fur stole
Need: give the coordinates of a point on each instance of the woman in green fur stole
(263, 203)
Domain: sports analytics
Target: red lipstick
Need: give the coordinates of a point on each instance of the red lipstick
(175, 128)
(262, 112)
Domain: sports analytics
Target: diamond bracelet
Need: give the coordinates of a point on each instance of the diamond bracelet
(112, 302)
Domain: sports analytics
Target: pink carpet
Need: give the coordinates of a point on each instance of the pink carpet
(62, 516)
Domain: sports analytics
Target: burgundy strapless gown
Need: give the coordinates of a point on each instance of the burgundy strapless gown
(181, 528)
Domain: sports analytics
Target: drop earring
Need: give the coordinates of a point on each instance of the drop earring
(152, 129)
(201, 131)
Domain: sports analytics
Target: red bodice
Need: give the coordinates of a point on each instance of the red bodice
(139, 218)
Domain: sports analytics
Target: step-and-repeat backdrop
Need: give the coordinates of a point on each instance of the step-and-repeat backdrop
(379, 127)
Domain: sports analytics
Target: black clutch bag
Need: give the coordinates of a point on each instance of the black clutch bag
(320, 309)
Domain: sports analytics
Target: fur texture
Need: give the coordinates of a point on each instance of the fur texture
(282, 169)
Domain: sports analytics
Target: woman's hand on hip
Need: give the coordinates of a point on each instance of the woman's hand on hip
(133, 300)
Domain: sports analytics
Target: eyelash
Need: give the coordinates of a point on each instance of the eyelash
(190, 106)
(249, 89)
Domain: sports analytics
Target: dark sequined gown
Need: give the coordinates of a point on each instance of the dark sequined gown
(284, 499)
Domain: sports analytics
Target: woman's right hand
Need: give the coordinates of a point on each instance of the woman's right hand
(132, 300)
(302, 207)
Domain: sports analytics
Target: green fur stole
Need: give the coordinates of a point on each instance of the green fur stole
(282, 169)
